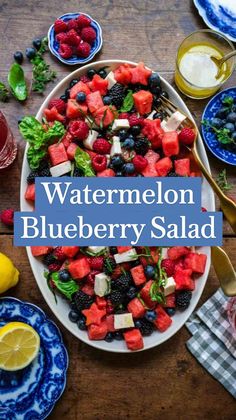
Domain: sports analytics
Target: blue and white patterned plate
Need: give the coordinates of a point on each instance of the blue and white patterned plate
(31, 393)
(54, 45)
(208, 135)
(219, 15)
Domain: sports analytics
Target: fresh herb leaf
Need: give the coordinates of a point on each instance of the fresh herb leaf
(17, 83)
(155, 293)
(42, 74)
(66, 288)
(4, 92)
(228, 100)
(83, 162)
(222, 134)
(38, 138)
(94, 254)
(128, 102)
(223, 182)
(47, 276)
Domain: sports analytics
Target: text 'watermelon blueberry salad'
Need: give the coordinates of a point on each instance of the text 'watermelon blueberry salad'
(106, 124)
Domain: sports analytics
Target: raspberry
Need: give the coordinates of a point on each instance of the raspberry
(79, 129)
(140, 163)
(65, 51)
(91, 277)
(84, 79)
(88, 35)
(102, 146)
(59, 104)
(73, 38)
(60, 26)
(83, 21)
(72, 24)
(186, 136)
(99, 163)
(59, 254)
(124, 116)
(169, 266)
(83, 49)
(54, 267)
(203, 209)
(61, 38)
(135, 120)
(7, 217)
(96, 263)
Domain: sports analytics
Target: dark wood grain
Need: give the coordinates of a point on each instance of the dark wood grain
(165, 382)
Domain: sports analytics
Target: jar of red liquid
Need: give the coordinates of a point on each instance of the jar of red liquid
(8, 148)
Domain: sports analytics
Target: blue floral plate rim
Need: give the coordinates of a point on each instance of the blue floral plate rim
(206, 11)
(209, 137)
(41, 363)
(75, 60)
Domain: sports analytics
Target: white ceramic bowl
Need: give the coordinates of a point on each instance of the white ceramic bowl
(61, 308)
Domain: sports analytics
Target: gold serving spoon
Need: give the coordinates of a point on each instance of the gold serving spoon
(220, 61)
(224, 270)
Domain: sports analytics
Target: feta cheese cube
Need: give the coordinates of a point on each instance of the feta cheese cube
(96, 249)
(173, 122)
(111, 79)
(61, 169)
(102, 284)
(150, 116)
(118, 124)
(169, 286)
(123, 321)
(88, 142)
(116, 146)
(130, 255)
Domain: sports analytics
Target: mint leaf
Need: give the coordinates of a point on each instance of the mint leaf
(228, 100)
(223, 182)
(4, 93)
(83, 162)
(128, 102)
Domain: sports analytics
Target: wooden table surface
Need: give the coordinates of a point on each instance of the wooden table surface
(165, 382)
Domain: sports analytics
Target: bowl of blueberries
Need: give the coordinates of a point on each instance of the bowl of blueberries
(219, 125)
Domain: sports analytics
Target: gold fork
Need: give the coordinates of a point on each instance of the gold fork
(221, 262)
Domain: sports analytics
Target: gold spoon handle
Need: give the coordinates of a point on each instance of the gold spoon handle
(226, 57)
(224, 270)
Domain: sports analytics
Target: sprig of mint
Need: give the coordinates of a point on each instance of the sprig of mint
(156, 292)
(4, 92)
(222, 181)
(228, 100)
(42, 74)
(128, 102)
(222, 134)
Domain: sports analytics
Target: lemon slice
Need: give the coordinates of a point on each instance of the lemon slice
(19, 345)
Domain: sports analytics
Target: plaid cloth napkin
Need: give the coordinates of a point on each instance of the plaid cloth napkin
(212, 341)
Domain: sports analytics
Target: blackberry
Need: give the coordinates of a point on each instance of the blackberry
(116, 297)
(123, 282)
(117, 94)
(145, 327)
(113, 250)
(172, 174)
(77, 172)
(183, 299)
(43, 164)
(141, 146)
(31, 177)
(45, 172)
(49, 259)
(82, 300)
(109, 265)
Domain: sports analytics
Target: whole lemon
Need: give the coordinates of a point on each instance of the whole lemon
(9, 275)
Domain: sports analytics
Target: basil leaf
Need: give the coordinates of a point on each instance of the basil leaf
(31, 129)
(128, 102)
(83, 162)
(4, 94)
(55, 132)
(16, 80)
(66, 288)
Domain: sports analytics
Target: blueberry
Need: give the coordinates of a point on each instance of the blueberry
(37, 43)
(233, 136)
(113, 250)
(102, 73)
(132, 292)
(165, 94)
(63, 97)
(18, 57)
(158, 115)
(170, 311)
(64, 275)
(19, 120)
(73, 82)
(221, 113)
(122, 134)
(135, 130)
(231, 117)
(117, 162)
(156, 90)
(150, 316)
(109, 337)
(118, 336)
(229, 126)
(80, 97)
(82, 324)
(154, 79)
(149, 271)
(30, 53)
(73, 316)
(129, 168)
(216, 122)
(128, 143)
(137, 323)
(67, 93)
(91, 73)
(107, 100)
(156, 101)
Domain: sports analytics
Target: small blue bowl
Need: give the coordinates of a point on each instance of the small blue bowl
(209, 136)
(54, 45)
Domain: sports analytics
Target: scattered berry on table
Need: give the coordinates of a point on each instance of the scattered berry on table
(30, 53)
(37, 43)
(183, 299)
(7, 217)
(18, 57)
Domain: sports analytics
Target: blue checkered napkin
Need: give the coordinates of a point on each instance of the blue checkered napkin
(212, 341)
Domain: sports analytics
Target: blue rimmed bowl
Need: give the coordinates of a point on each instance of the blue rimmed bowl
(74, 60)
(209, 136)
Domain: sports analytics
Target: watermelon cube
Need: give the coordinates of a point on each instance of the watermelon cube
(52, 115)
(67, 139)
(71, 149)
(145, 295)
(136, 308)
(107, 173)
(196, 262)
(88, 289)
(140, 74)
(153, 131)
(143, 101)
(37, 251)
(94, 315)
(98, 84)
(183, 279)
(150, 170)
(163, 166)
(70, 251)
(79, 268)
(133, 339)
(182, 167)
(79, 87)
(104, 115)
(75, 110)
(163, 320)
(170, 143)
(94, 101)
(170, 301)
(30, 192)
(57, 153)
(110, 323)
(138, 275)
(97, 332)
(121, 249)
(123, 74)
(101, 302)
(176, 252)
